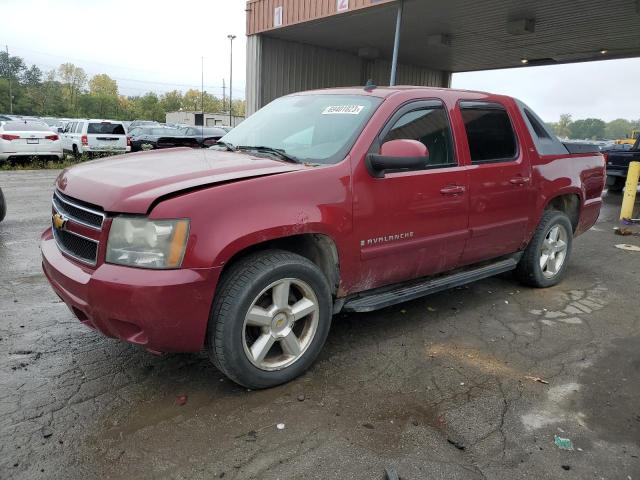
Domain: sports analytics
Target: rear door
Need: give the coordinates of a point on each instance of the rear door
(500, 188)
(412, 223)
(106, 136)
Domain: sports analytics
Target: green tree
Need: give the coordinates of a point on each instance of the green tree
(238, 108)
(11, 69)
(191, 100)
(171, 101)
(212, 104)
(102, 100)
(74, 80)
(62, 92)
(49, 96)
(32, 77)
(562, 128)
(618, 128)
(103, 84)
(148, 107)
(589, 128)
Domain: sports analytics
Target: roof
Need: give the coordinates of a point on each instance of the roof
(385, 91)
(460, 35)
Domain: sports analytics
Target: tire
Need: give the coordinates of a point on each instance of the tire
(234, 338)
(529, 270)
(3, 206)
(76, 154)
(617, 185)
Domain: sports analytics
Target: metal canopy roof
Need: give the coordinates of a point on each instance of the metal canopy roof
(459, 35)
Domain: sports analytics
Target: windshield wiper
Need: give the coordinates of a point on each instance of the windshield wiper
(278, 152)
(227, 145)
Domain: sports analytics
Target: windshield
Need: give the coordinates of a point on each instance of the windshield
(311, 128)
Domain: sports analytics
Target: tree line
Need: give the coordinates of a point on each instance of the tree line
(68, 92)
(593, 128)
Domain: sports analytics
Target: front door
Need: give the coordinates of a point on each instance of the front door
(412, 223)
(501, 195)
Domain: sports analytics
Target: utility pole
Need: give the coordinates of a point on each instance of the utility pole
(224, 95)
(202, 87)
(9, 78)
(231, 38)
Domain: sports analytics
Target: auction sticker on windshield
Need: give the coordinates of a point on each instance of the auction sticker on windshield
(343, 109)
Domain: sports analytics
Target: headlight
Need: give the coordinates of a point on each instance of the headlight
(144, 243)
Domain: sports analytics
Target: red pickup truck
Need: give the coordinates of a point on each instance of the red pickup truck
(325, 201)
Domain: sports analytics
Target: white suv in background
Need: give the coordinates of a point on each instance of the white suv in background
(94, 136)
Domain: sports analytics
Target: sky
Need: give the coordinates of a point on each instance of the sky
(145, 45)
(158, 45)
(607, 89)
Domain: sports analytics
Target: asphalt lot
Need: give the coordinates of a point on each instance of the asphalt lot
(439, 388)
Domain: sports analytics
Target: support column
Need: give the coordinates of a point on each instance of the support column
(396, 44)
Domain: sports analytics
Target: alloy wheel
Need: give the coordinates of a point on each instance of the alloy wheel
(280, 324)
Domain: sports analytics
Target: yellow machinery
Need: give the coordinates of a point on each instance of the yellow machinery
(631, 140)
(630, 190)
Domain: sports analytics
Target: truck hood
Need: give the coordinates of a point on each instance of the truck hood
(131, 183)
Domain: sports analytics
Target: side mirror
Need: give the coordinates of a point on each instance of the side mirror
(400, 154)
(60, 130)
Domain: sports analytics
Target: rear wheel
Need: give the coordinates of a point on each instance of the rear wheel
(545, 259)
(76, 154)
(270, 319)
(615, 184)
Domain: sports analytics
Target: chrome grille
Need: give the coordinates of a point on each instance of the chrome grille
(81, 248)
(73, 244)
(74, 210)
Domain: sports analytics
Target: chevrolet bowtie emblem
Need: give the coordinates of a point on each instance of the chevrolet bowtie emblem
(59, 221)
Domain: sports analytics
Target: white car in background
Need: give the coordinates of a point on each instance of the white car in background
(94, 136)
(21, 139)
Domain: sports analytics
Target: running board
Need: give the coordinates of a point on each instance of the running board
(387, 296)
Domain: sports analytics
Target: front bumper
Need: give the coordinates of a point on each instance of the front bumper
(161, 310)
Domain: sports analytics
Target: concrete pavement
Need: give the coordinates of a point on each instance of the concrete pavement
(440, 388)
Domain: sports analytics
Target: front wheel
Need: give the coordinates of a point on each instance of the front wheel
(545, 259)
(270, 319)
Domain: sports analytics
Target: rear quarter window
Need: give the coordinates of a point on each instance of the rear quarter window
(545, 141)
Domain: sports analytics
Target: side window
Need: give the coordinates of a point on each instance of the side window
(489, 132)
(79, 127)
(430, 126)
(70, 127)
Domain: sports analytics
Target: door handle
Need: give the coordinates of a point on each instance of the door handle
(452, 190)
(519, 180)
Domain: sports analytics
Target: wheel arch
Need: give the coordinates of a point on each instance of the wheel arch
(569, 203)
(319, 248)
